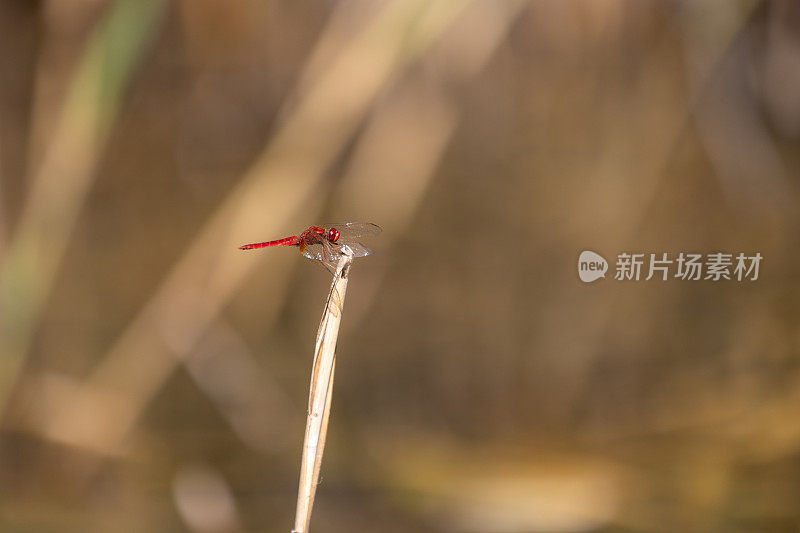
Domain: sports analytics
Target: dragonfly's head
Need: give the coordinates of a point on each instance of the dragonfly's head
(333, 234)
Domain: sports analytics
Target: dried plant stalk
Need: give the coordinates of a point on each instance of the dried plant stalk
(319, 397)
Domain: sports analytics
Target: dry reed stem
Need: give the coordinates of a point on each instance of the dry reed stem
(320, 392)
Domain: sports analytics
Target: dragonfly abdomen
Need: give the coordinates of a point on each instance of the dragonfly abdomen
(288, 241)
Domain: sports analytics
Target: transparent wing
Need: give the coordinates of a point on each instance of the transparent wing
(324, 252)
(328, 253)
(354, 230)
(359, 250)
(315, 251)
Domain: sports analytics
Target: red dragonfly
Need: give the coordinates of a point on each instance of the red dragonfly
(325, 243)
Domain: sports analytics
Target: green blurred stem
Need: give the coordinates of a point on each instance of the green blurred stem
(60, 183)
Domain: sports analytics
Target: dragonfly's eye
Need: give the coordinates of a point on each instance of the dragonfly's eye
(333, 235)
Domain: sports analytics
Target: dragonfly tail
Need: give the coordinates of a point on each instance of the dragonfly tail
(288, 241)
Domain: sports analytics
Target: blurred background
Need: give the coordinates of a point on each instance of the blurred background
(155, 378)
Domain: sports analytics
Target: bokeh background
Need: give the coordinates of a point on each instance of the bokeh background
(154, 378)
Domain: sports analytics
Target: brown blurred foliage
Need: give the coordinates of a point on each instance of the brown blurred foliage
(154, 378)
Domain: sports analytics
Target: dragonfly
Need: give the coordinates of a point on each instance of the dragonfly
(325, 243)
